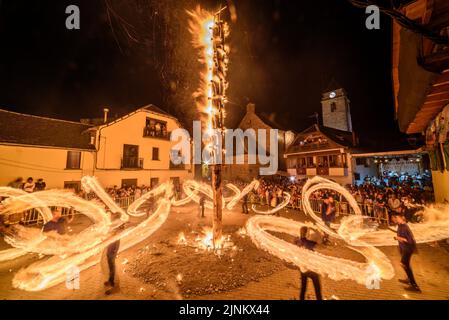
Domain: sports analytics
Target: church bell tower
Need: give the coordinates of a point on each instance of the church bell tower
(335, 109)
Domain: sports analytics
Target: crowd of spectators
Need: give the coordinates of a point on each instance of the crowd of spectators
(116, 193)
(387, 194)
(29, 185)
(384, 198)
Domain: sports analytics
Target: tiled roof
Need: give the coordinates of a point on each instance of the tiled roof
(155, 109)
(337, 138)
(271, 123)
(24, 129)
(343, 138)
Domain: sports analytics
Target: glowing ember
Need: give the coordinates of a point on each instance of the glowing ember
(182, 239)
(204, 241)
(241, 232)
(207, 241)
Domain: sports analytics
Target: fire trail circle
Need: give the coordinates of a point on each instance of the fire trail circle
(83, 249)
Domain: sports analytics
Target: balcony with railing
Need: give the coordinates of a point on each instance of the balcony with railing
(131, 163)
(323, 165)
(156, 132)
(180, 166)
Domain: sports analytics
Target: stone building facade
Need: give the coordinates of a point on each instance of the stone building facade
(336, 109)
(257, 121)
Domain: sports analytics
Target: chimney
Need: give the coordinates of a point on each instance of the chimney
(105, 112)
(250, 108)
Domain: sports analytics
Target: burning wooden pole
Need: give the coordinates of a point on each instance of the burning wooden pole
(218, 205)
(210, 33)
(219, 86)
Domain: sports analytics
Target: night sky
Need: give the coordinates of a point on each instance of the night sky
(284, 54)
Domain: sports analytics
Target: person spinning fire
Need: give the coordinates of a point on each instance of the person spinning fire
(302, 241)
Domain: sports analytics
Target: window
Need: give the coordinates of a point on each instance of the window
(335, 160)
(323, 161)
(130, 156)
(155, 128)
(310, 162)
(291, 162)
(333, 107)
(73, 160)
(154, 182)
(155, 154)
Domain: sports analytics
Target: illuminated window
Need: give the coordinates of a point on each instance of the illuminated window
(73, 160)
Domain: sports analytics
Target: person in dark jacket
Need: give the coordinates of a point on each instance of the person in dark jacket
(245, 204)
(18, 183)
(407, 246)
(4, 225)
(302, 241)
(56, 224)
(328, 210)
(40, 185)
(202, 205)
(111, 255)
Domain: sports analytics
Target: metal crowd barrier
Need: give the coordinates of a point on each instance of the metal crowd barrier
(33, 217)
(124, 202)
(377, 213)
(380, 214)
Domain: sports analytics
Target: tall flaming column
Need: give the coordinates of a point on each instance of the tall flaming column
(210, 33)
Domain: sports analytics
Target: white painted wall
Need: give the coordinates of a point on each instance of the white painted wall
(46, 163)
(49, 163)
(111, 139)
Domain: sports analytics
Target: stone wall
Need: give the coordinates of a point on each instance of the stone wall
(336, 111)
